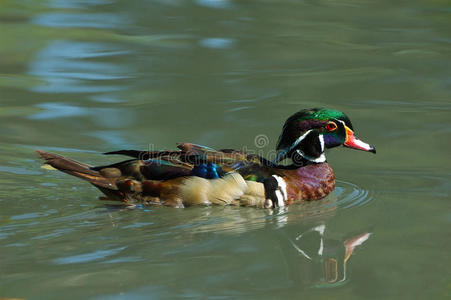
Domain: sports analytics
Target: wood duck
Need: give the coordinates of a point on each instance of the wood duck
(199, 175)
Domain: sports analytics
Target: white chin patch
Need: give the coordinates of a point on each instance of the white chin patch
(319, 159)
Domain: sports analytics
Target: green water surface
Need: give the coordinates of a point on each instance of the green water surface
(81, 77)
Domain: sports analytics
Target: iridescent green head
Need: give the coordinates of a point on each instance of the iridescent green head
(308, 132)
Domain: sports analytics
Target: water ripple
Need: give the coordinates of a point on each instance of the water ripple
(72, 20)
(63, 67)
(217, 43)
(218, 4)
(238, 220)
(88, 257)
(58, 110)
(78, 3)
(350, 195)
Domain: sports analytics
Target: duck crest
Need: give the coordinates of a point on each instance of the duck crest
(200, 175)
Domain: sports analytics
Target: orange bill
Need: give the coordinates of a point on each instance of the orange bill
(353, 142)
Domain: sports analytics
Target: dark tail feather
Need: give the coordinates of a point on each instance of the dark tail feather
(131, 153)
(143, 154)
(77, 169)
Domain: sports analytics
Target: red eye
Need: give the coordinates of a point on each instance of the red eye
(331, 126)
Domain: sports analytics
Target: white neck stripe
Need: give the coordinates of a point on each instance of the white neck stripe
(319, 159)
(281, 192)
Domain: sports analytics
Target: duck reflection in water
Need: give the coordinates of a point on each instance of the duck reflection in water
(322, 257)
(300, 235)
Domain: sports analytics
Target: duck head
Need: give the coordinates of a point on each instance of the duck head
(307, 133)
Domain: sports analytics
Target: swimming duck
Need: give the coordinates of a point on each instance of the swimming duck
(200, 175)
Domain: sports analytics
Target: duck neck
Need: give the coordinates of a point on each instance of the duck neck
(296, 163)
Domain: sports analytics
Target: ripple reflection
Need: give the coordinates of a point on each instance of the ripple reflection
(350, 195)
(63, 67)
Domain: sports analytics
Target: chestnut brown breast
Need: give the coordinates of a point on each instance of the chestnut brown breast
(311, 182)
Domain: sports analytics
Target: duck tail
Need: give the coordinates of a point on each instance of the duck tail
(77, 169)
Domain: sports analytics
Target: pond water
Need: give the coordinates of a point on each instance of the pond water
(82, 77)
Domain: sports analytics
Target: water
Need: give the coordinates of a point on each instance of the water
(84, 77)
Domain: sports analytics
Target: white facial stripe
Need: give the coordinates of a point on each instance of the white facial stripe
(319, 159)
(321, 141)
(300, 139)
(342, 122)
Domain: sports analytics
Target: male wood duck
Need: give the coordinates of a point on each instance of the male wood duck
(199, 175)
